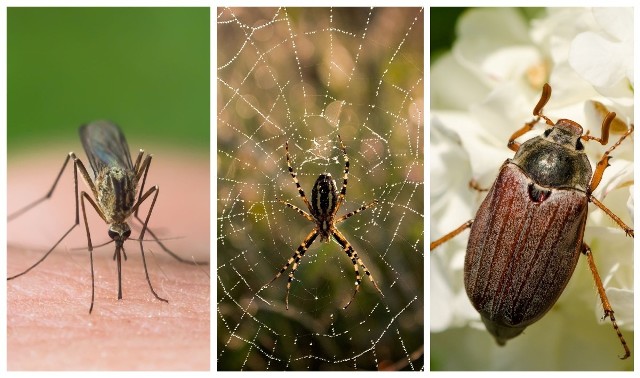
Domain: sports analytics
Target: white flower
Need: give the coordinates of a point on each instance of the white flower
(482, 92)
(605, 57)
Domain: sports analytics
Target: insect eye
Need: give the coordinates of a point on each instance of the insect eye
(579, 145)
(547, 132)
(113, 235)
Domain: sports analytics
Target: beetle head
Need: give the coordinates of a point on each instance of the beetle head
(566, 133)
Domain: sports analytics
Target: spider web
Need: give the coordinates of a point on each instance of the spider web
(306, 76)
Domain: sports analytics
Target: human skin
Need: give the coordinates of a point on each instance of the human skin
(48, 322)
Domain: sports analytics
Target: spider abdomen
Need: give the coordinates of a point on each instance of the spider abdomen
(324, 198)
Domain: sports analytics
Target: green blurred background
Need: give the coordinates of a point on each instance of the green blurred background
(443, 30)
(146, 69)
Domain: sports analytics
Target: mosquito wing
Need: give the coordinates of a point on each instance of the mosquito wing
(105, 146)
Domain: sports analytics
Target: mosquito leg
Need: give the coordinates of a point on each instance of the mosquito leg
(155, 191)
(46, 196)
(168, 251)
(146, 273)
(142, 172)
(92, 281)
(77, 166)
(84, 196)
(136, 166)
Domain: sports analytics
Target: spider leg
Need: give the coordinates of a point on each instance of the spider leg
(295, 179)
(353, 255)
(295, 259)
(363, 207)
(299, 210)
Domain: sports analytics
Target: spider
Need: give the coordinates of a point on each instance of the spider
(324, 205)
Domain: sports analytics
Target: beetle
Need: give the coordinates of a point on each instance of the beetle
(527, 234)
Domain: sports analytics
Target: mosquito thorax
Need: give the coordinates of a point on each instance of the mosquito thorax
(116, 193)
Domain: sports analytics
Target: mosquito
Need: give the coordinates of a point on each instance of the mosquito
(113, 188)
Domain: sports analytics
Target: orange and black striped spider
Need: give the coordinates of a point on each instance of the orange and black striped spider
(325, 203)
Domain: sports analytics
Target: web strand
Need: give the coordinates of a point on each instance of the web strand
(305, 76)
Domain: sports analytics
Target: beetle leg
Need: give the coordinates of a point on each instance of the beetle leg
(475, 185)
(600, 168)
(450, 235)
(604, 161)
(608, 311)
(628, 230)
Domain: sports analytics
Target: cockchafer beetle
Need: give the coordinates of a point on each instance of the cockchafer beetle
(528, 233)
